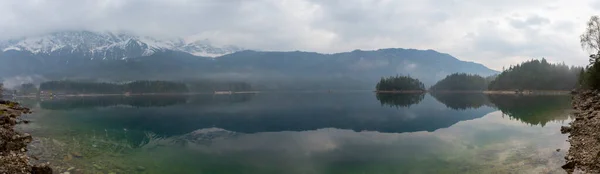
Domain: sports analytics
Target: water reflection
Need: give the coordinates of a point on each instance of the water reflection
(531, 109)
(462, 101)
(138, 101)
(534, 109)
(302, 133)
(265, 113)
(399, 99)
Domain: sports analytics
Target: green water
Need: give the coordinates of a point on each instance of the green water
(356, 132)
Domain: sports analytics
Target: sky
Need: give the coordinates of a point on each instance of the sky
(496, 33)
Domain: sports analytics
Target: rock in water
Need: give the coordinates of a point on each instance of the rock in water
(140, 168)
(569, 166)
(45, 169)
(565, 129)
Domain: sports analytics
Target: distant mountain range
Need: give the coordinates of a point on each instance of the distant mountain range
(106, 56)
(107, 45)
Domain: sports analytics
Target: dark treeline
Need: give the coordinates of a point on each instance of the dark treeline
(461, 82)
(135, 87)
(529, 75)
(400, 83)
(537, 75)
(399, 100)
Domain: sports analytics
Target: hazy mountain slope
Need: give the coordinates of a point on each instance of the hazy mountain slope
(121, 57)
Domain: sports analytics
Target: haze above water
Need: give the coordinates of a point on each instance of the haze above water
(354, 132)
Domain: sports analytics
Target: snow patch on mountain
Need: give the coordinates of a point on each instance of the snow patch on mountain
(108, 45)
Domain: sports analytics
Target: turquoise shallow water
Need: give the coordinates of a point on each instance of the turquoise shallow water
(356, 132)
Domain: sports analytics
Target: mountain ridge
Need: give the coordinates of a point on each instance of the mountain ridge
(108, 45)
(125, 57)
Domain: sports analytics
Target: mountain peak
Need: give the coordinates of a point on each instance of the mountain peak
(109, 45)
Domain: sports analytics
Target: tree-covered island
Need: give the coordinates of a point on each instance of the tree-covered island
(400, 84)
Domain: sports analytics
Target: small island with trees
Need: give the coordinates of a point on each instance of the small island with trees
(400, 84)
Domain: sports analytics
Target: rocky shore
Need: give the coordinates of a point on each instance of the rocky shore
(584, 134)
(13, 144)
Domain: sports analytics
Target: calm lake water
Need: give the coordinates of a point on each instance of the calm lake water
(354, 132)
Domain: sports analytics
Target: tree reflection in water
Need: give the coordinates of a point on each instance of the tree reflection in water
(399, 99)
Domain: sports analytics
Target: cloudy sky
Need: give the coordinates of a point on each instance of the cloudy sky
(496, 33)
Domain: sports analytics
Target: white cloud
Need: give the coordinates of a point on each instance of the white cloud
(495, 33)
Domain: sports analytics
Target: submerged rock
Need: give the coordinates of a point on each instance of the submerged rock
(76, 154)
(565, 129)
(44, 169)
(68, 157)
(97, 166)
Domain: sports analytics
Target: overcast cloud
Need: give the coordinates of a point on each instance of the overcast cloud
(492, 32)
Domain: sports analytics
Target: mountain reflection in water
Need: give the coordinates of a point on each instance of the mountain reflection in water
(344, 132)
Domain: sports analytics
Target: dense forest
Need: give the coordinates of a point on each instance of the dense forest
(400, 83)
(461, 82)
(537, 75)
(135, 87)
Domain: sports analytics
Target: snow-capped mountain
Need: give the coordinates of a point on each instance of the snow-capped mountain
(108, 45)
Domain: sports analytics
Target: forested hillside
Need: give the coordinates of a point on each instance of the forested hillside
(292, 70)
(537, 75)
(461, 82)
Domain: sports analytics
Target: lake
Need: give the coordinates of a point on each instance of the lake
(310, 132)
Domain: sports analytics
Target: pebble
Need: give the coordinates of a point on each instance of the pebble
(140, 168)
(70, 168)
(68, 157)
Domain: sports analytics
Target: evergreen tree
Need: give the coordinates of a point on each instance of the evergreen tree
(399, 83)
(537, 75)
(461, 82)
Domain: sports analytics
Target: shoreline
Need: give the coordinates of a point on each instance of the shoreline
(503, 92)
(128, 95)
(13, 144)
(584, 134)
